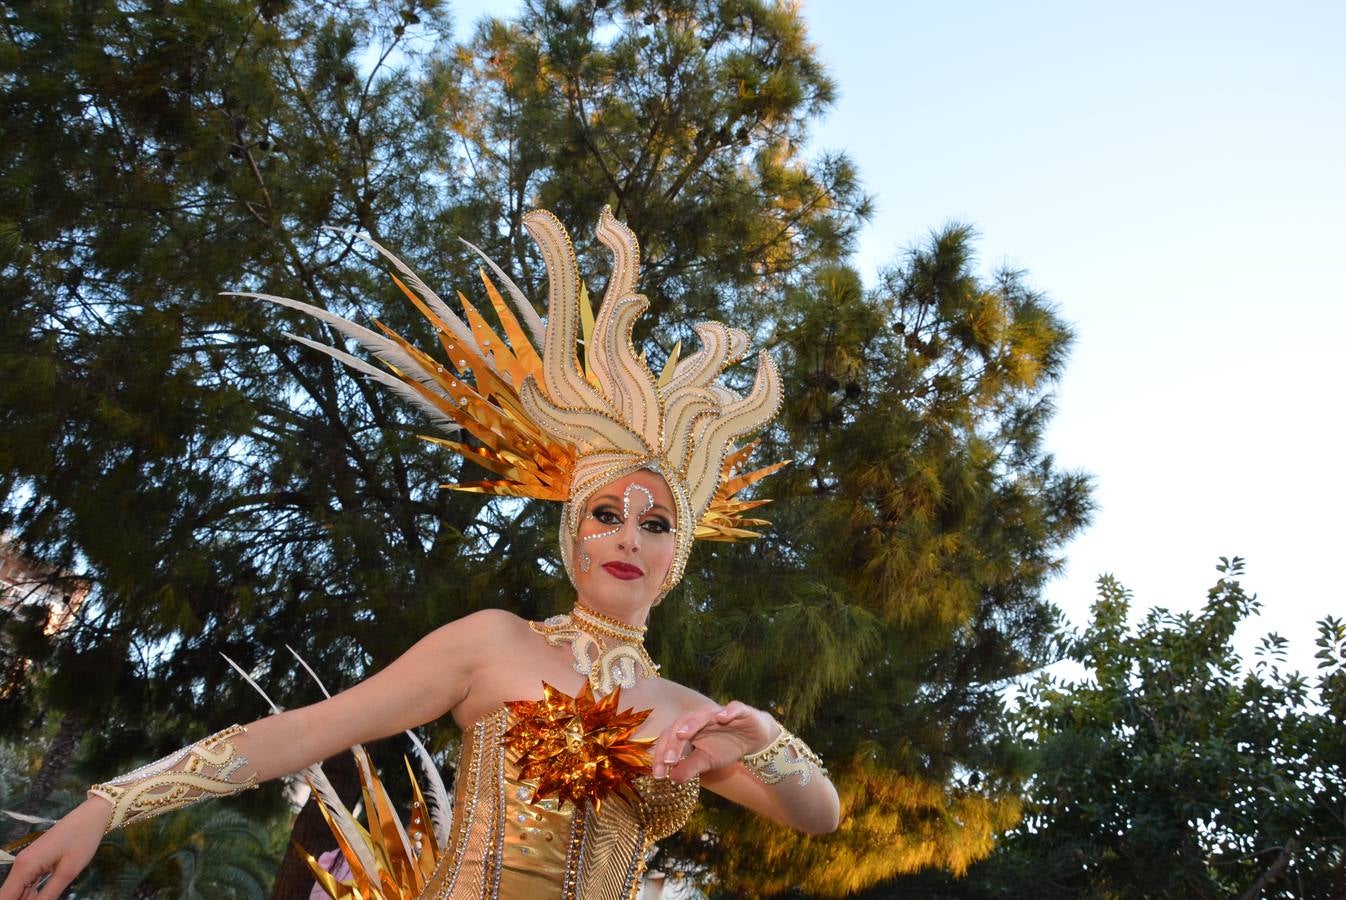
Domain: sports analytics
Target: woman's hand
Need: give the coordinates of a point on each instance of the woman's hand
(59, 855)
(717, 736)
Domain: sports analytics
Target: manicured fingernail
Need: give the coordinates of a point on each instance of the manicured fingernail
(682, 730)
(670, 759)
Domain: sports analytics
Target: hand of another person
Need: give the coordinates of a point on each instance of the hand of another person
(59, 855)
(717, 736)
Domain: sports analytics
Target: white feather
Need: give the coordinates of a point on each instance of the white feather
(344, 819)
(531, 320)
(387, 379)
(431, 299)
(318, 783)
(275, 710)
(385, 349)
(437, 797)
(31, 820)
(309, 669)
(367, 767)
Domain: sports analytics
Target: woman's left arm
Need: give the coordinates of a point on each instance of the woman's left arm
(712, 741)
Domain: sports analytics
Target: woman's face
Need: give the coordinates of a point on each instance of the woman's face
(625, 545)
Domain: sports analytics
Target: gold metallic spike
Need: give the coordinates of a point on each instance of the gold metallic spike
(493, 349)
(734, 485)
(587, 333)
(365, 883)
(338, 890)
(442, 328)
(421, 829)
(670, 366)
(492, 461)
(392, 835)
(523, 348)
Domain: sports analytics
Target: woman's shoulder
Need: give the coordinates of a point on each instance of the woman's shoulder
(483, 627)
(493, 619)
(680, 696)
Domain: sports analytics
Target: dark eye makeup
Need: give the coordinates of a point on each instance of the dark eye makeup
(607, 515)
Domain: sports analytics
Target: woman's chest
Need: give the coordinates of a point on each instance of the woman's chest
(523, 679)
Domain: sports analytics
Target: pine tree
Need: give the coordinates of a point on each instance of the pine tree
(901, 586)
(213, 492)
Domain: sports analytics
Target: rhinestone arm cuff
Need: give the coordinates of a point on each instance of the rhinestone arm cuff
(199, 771)
(787, 755)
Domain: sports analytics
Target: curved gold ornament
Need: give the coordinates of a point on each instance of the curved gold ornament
(608, 668)
(197, 772)
(785, 757)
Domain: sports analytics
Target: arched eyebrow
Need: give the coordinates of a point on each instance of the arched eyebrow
(617, 501)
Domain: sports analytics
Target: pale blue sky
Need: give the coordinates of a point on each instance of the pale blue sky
(1171, 175)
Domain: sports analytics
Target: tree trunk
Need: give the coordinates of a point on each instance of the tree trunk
(294, 880)
(54, 764)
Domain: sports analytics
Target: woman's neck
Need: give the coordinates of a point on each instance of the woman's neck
(631, 619)
(596, 620)
(608, 650)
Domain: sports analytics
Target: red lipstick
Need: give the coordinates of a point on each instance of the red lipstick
(624, 571)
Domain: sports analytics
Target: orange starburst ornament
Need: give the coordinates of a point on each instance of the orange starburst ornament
(577, 748)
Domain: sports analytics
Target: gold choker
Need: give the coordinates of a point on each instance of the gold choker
(608, 652)
(595, 622)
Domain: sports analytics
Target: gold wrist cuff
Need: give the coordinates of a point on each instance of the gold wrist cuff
(785, 756)
(197, 772)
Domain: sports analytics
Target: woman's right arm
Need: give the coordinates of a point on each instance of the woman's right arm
(423, 684)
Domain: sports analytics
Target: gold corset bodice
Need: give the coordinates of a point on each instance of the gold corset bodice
(504, 848)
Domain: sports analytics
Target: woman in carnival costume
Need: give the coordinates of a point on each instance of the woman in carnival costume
(577, 756)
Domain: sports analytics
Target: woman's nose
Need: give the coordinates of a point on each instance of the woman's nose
(629, 537)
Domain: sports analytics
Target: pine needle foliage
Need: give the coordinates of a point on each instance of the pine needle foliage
(901, 587)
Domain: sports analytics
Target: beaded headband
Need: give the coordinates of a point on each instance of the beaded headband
(560, 424)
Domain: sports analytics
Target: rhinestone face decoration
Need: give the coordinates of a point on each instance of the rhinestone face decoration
(585, 561)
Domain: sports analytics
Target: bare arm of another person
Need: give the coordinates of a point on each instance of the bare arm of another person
(423, 684)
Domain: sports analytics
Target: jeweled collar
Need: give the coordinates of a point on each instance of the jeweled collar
(608, 652)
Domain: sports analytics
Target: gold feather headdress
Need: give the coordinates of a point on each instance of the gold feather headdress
(559, 424)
